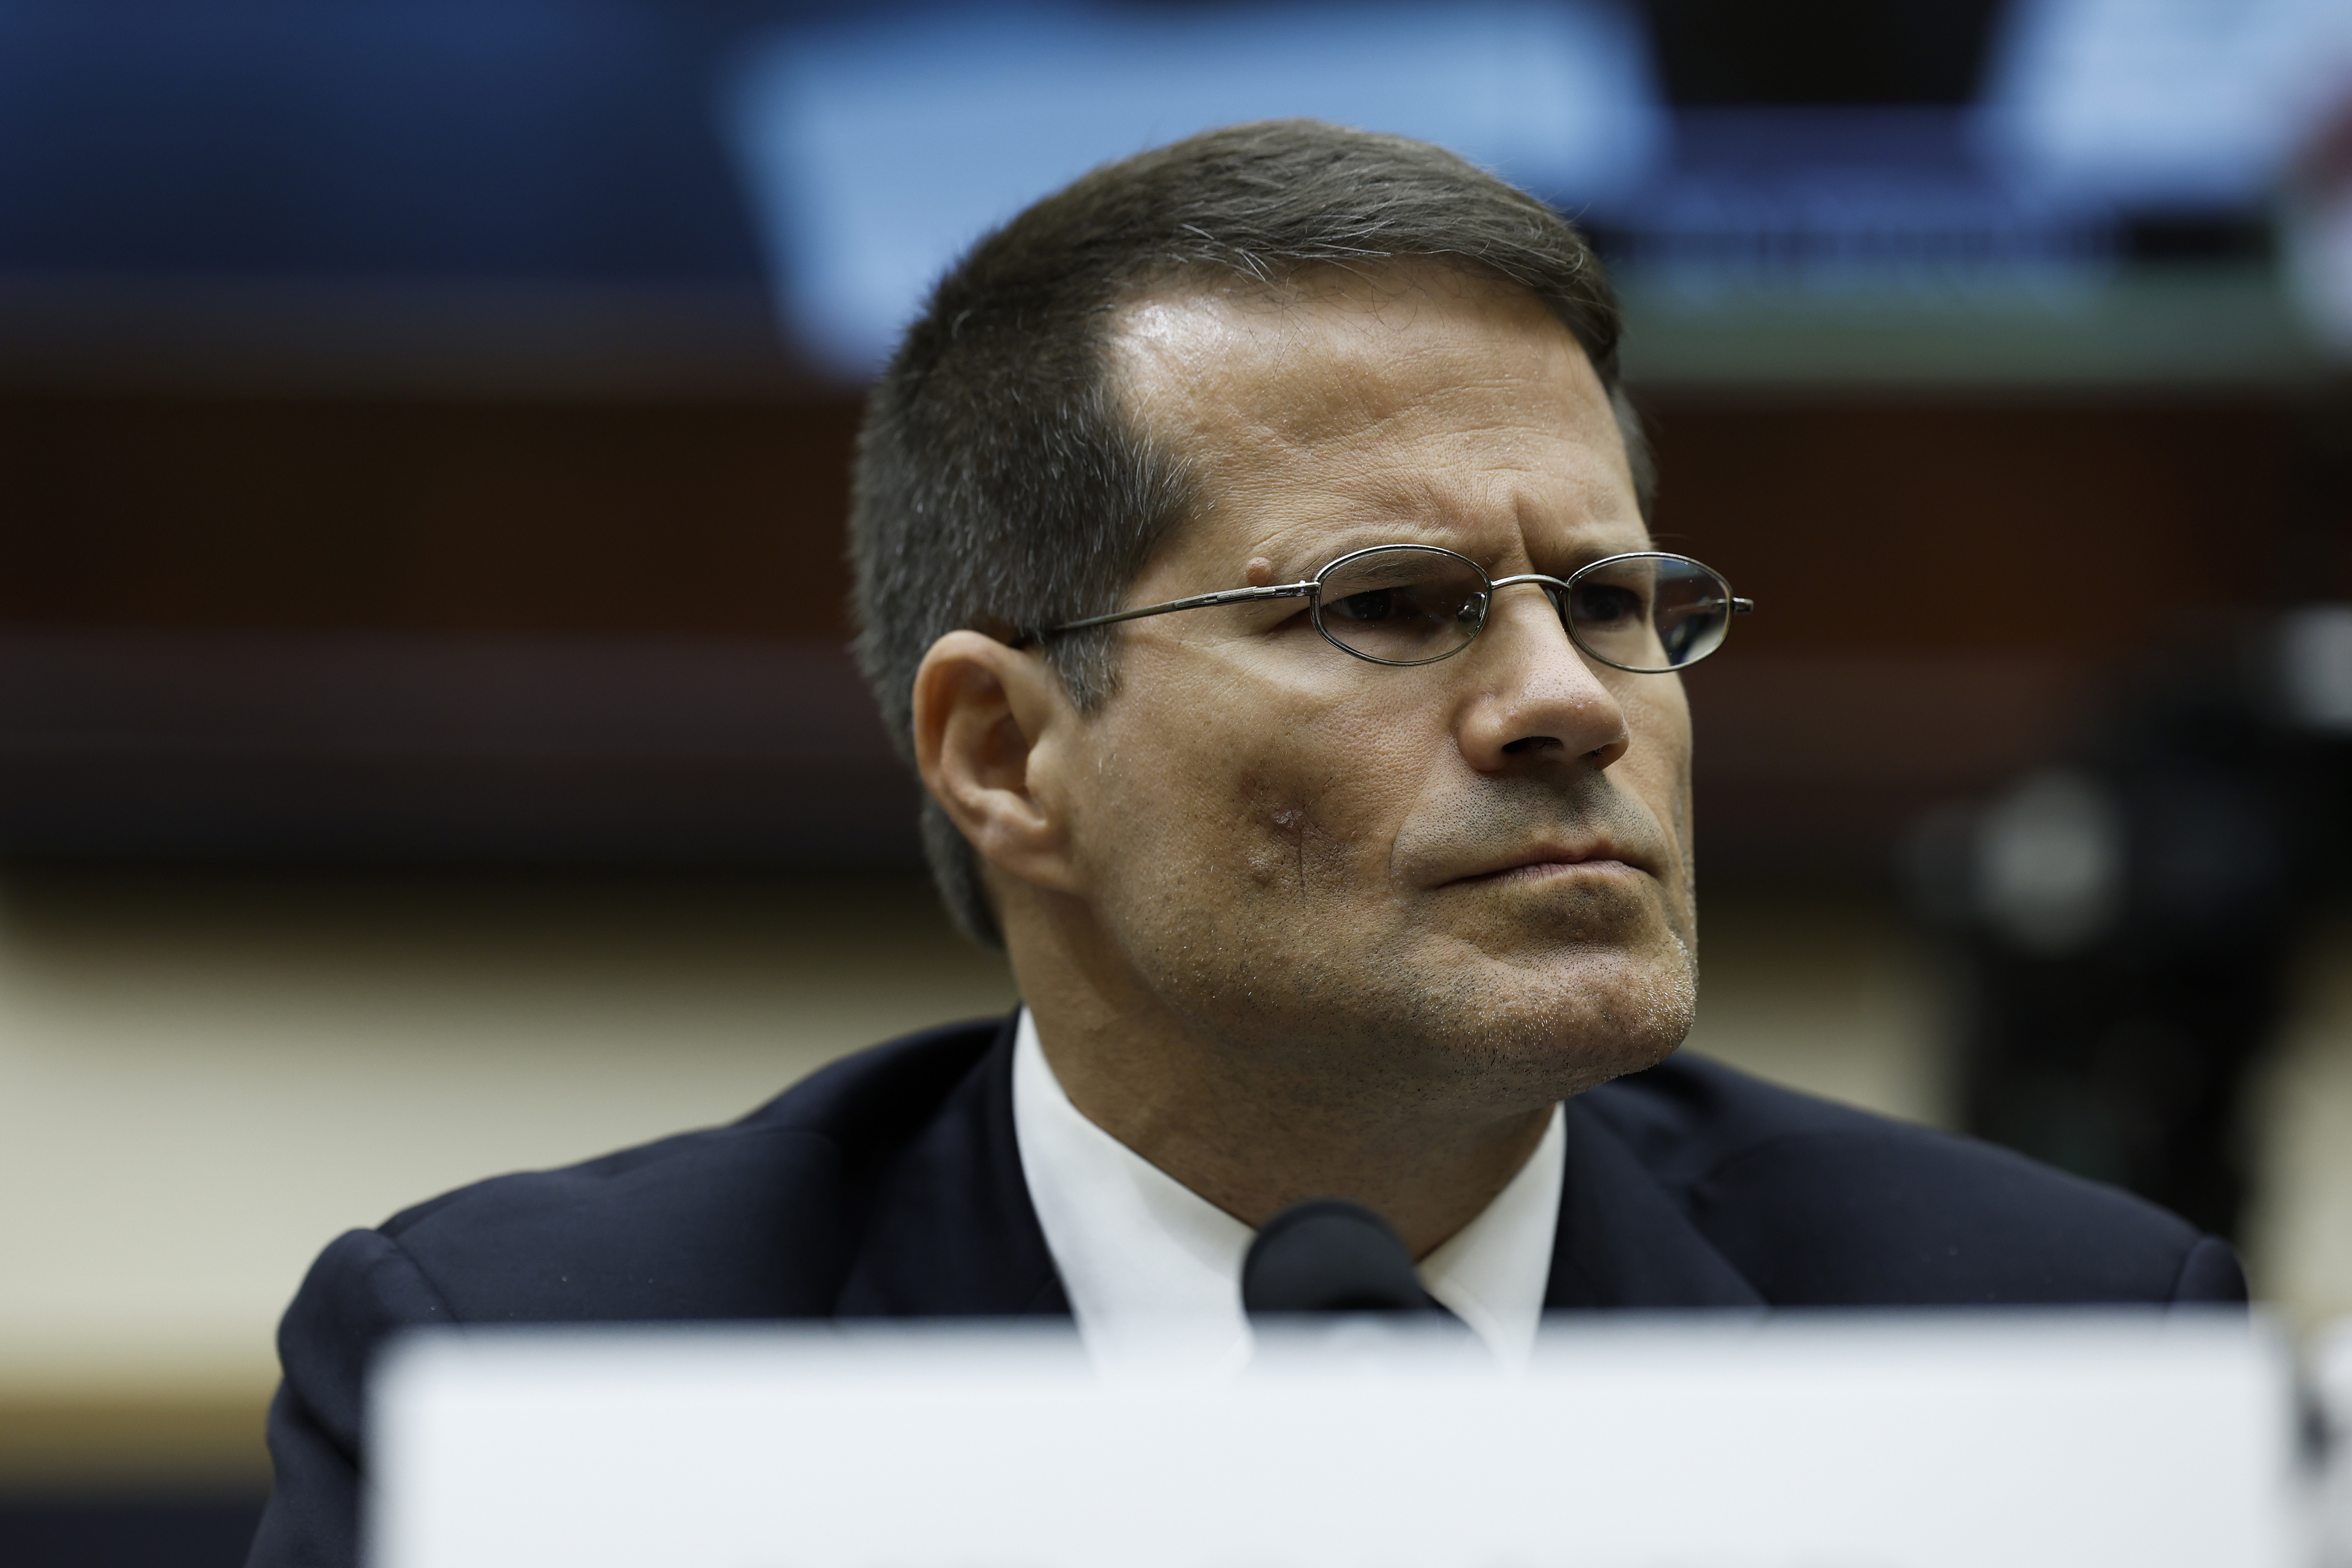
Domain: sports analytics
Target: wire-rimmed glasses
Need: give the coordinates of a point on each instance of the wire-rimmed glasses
(1648, 611)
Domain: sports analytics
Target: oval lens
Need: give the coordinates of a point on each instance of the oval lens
(1403, 604)
(1648, 612)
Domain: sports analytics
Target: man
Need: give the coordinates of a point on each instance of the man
(1252, 560)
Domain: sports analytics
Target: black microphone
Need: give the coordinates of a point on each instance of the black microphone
(1327, 1255)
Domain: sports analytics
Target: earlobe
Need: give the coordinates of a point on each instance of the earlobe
(982, 713)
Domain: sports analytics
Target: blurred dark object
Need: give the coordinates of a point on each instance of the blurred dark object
(116, 1533)
(1899, 663)
(1726, 53)
(2122, 922)
(1326, 1255)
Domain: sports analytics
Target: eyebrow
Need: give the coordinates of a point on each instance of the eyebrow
(1347, 537)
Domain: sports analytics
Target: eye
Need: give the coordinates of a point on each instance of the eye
(1598, 604)
(1402, 604)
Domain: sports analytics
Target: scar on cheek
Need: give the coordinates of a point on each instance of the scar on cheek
(1260, 572)
(1292, 819)
(1271, 806)
(1274, 852)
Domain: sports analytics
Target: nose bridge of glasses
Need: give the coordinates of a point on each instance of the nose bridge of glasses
(1554, 588)
(1556, 648)
(1555, 593)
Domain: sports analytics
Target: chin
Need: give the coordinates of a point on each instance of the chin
(1576, 1022)
(1487, 1014)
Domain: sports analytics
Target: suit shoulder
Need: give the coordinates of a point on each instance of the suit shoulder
(1821, 1204)
(742, 1220)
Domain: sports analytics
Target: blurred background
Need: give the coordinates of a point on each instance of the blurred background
(427, 749)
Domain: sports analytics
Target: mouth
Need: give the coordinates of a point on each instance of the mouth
(1543, 862)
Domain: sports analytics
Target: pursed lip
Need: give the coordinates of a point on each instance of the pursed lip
(1538, 859)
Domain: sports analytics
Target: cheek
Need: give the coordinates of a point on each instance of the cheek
(1285, 832)
(1267, 798)
(1658, 763)
(1320, 811)
(1657, 769)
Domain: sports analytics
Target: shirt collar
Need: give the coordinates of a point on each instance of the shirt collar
(1153, 1270)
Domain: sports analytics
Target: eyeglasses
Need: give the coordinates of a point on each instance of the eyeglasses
(1647, 612)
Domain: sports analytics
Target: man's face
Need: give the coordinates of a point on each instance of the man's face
(1465, 882)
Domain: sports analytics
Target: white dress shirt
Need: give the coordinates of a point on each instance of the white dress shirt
(1153, 1270)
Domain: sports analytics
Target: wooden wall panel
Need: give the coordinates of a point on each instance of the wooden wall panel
(678, 519)
(2007, 528)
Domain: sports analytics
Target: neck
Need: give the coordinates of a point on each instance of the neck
(1250, 1125)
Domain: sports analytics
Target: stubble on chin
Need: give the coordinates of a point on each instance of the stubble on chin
(1555, 989)
(1549, 1014)
(1398, 1012)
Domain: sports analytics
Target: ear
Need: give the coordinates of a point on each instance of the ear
(987, 719)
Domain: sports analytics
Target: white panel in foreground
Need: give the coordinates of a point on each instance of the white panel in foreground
(1825, 1442)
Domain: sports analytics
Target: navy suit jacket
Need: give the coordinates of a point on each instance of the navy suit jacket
(889, 1185)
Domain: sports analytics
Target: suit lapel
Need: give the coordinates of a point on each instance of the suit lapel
(1623, 1241)
(951, 1231)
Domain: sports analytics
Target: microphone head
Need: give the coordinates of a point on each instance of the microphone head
(1327, 1255)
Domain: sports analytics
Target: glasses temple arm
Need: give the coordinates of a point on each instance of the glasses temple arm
(1197, 602)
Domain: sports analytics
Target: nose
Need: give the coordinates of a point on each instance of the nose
(1536, 700)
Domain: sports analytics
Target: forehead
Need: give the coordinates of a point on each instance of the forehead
(1444, 405)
